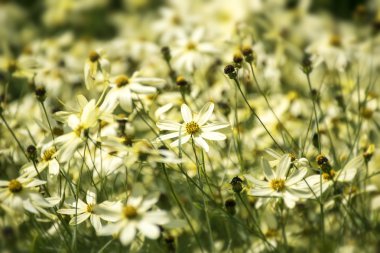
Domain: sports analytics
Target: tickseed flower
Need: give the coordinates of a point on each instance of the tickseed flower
(83, 211)
(280, 183)
(194, 127)
(124, 89)
(22, 194)
(47, 160)
(136, 214)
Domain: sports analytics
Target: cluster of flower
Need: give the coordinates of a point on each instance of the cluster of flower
(286, 123)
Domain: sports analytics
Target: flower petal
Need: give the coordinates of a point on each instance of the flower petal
(186, 113)
(149, 230)
(205, 113)
(268, 172)
(128, 234)
(168, 125)
(283, 166)
(199, 141)
(214, 136)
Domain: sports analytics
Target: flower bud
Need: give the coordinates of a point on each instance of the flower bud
(230, 205)
(230, 71)
(31, 151)
(40, 93)
(237, 184)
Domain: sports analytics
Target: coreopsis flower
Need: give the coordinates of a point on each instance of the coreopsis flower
(190, 52)
(80, 125)
(194, 127)
(22, 194)
(89, 210)
(125, 89)
(96, 69)
(136, 215)
(47, 160)
(344, 175)
(281, 182)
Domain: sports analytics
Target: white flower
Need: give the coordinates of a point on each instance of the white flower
(281, 183)
(47, 161)
(345, 175)
(190, 52)
(124, 90)
(83, 211)
(194, 127)
(80, 123)
(22, 194)
(136, 214)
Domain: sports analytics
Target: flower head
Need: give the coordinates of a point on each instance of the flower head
(194, 127)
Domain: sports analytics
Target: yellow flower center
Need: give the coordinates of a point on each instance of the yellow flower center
(335, 40)
(90, 208)
(48, 154)
(130, 212)
(15, 186)
(192, 128)
(191, 45)
(277, 184)
(93, 56)
(122, 81)
(78, 130)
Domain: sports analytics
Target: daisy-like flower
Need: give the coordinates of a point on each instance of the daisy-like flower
(330, 175)
(124, 89)
(47, 161)
(81, 124)
(83, 211)
(136, 214)
(194, 127)
(22, 194)
(191, 52)
(280, 183)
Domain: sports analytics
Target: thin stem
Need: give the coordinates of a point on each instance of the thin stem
(203, 197)
(181, 207)
(270, 107)
(14, 136)
(255, 114)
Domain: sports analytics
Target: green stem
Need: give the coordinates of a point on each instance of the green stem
(257, 116)
(181, 207)
(203, 197)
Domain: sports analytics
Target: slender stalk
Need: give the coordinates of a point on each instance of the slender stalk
(257, 116)
(270, 107)
(14, 136)
(203, 197)
(181, 207)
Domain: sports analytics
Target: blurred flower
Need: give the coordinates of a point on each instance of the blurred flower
(136, 215)
(83, 211)
(124, 90)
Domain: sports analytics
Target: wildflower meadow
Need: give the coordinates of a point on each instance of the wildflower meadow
(199, 126)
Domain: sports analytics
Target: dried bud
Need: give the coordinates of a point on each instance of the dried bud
(93, 56)
(181, 81)
(307, 67)
(230, 71)
(238, 58)
(40, 93)
(237, 184)
(321, 159)
(230, 205)
(248, 53)
(31, 151)
(166, 53)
